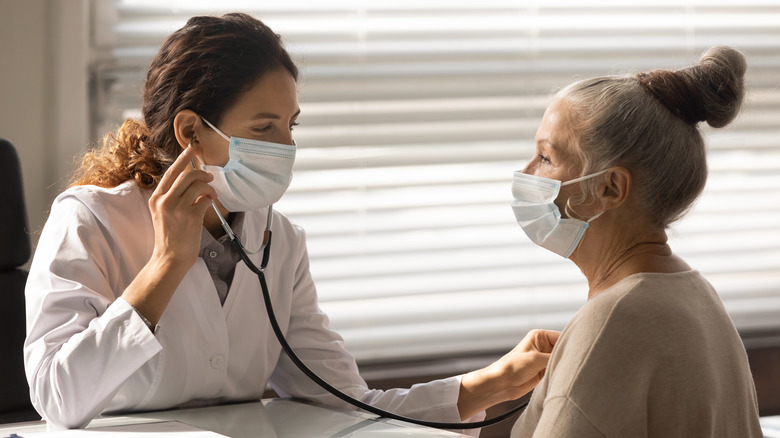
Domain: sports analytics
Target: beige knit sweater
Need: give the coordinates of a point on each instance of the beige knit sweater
(654, 356)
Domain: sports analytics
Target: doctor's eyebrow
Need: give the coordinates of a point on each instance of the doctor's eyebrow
(273, 116)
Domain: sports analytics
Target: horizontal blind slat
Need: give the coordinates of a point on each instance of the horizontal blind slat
(416, 113)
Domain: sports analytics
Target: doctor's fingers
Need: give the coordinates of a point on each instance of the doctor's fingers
(179, 176)
(190, 189)
(182, 163)
(546, 340)
(539, 340)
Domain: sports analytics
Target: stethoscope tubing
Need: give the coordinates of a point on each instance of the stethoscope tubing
(260, 271)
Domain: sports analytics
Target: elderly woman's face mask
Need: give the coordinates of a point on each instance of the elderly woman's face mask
(539, 217)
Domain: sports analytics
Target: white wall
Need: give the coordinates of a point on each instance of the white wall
(43, 93)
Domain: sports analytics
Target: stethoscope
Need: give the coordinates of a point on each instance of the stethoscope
(260, 271)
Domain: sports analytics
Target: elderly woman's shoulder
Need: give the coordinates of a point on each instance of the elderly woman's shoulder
(650, 299)
(639, 315)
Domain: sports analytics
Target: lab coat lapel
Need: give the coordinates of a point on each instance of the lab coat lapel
(198, 290)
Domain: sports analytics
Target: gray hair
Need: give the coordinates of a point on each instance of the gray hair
(648, 123)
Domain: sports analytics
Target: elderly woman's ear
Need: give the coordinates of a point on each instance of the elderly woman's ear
(617, 187)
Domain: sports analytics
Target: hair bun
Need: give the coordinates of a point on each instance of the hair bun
(710, 91)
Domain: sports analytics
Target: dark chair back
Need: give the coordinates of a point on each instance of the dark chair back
(14, 252)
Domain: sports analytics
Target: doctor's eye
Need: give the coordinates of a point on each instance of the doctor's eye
(293, 125)
(263, 129)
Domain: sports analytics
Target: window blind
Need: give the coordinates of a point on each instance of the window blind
(416, 113)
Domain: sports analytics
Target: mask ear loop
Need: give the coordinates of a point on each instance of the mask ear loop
(221, 134)
(582, 178)
(595, 217)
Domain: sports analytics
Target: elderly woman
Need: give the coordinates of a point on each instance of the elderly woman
(653, 352)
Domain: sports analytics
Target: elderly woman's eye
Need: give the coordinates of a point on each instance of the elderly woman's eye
(544, 159)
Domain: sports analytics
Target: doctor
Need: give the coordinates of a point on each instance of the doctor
(136, 299)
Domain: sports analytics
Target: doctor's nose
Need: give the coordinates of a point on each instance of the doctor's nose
(285, 138)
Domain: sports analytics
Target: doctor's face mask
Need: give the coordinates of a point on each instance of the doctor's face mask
(539, 217)
(256, 175)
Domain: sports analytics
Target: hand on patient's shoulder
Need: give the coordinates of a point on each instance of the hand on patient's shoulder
(510, 377)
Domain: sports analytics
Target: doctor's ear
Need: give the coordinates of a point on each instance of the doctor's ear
(617, 187)
(186, 125)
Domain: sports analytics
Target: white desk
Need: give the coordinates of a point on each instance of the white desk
(771, 426)
(279, 418)
(272, 418)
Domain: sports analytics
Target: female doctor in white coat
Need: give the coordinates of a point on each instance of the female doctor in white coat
(136, 299)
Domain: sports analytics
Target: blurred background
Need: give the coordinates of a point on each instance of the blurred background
(414, 116)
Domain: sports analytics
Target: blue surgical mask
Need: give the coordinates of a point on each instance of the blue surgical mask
(256, 176)
(539, 217)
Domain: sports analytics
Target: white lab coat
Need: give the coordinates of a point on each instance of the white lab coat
(88, 352)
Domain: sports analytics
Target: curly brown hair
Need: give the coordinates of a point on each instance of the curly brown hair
(203, 67)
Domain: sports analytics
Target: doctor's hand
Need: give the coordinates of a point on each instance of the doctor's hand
(177, 205)
(508, 378)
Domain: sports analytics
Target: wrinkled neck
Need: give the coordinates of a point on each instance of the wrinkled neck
(611, 253)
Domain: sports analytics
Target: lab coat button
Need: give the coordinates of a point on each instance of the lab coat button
(212, 254)
(217, 361)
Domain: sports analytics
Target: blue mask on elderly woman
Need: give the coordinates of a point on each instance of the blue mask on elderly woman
(540, 218)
